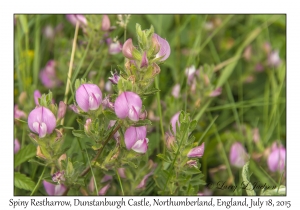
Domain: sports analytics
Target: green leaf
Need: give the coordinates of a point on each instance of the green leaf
(110, 114)
(79, 133)
(151, 92)
(25, 154)
(246, 179)
(192, 170)
(23, 182)
(142, 123)
(163, 157)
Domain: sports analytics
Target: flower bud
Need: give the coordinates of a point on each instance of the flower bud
(274, 59)
(192, 163)
(91, 186)
(174, 121)
(276, 159)
(73, 18)
(115, 78)
(88, 97)
(106, 178)
(37, 95)
(121, 172)
(114, 48)
(87, 125)
(216, 92)
(135, 139)
(144, 61)
(105, 23)
(238, 155)
(128, 104)
(128, 48)
(143, 182)
(58, 176)
(39, 153)
(103, 190)
(74, 108)
(256, 136)
(176, 91)
(41, 121)
(53, 189)
(61, 110)
(164, 50)
(19, 113)
(197, 151)
(17, 146)
(169, 140)
(155, 45)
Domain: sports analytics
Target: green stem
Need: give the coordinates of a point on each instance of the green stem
(39, 181)
(120, 182)
(92, 172)
(160, 114)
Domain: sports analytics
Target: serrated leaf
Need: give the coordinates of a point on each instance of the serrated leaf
(79, 133)
(192, 170)
(246, 179)
(143, 123)
(21, 181)
(25, 154)
(151, 92)
(110, 114)
(193, 125)
(163, 157)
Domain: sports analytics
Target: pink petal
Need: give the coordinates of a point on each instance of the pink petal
(126, 101)
(174, 120)
(197, 151)
(16, 146)
(104, 189)
(164, 50)
(105, 23)
(238, 155)
(41, 115)
(144, 62)
(133, 134)
(36, 96)
(128, 48)
(140, 146)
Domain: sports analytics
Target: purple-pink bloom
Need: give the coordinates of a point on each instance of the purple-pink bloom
(73, 18)
(216, 92)
(142, 184)
(128, 49)
(17, 146)
(274, 59)
(114, 48)
(276, 159)
(165, 50)
(128, 104)
(88, 97)
(105, 23)
(176, 91)
(107, 104)
(58, 176)
(121, 172)
(37, 94)
(48, 75)
(106, 178)
(53, 189)
(103, 190)
(174, 121)
(238, 155)
(135, 139)
(62, 107)
(197, 151)
(144, 61)
(42, 121)
(114, 78)
(18, 113)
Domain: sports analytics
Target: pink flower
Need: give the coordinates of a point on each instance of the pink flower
(238, 155)
(53, 189)
(197, 151)
(42, 121)
(106, 178)
(58, 176)
(114, 48)
(48, 75)
(105, 23)
(174, 121)
(128, 104)
(165, 50)
(18, 113)
(135, 139)
(176, 91)
(73, 18)
(144, 61)
(17, 146)
(88, 97)
(216, 92)
(274, 59)
(103, 190)
(61, 110)
(121, 172)
(114, 78)
(128, 49)
(276, 159)
(37, 94)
